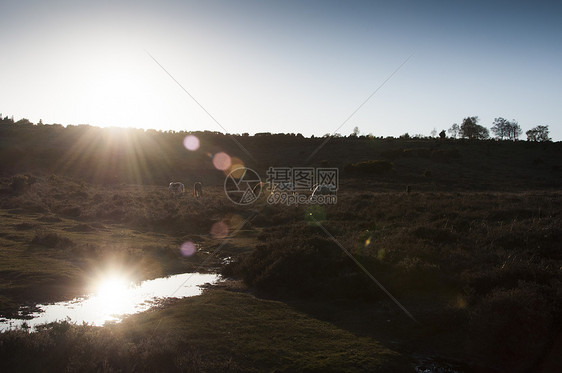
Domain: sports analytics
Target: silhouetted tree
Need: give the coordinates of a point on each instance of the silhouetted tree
(499, 128)
(514, 130)
(24, 122)
(442, 134)
(470, 129)
(538, 133)
(502, 128)
(6, 120)
(454, 131)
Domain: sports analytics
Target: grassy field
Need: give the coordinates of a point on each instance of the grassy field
(218, 331)
(477, 265)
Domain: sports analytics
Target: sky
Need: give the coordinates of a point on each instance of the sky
(309, 67)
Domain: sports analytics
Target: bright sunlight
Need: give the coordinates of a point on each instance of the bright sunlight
(112, 288)
(112, 294)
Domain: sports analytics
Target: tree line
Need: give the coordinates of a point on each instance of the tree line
(502, 129)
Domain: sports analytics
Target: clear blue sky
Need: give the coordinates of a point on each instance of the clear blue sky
(282, 66)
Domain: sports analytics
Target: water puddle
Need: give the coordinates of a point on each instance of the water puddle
(114, 300)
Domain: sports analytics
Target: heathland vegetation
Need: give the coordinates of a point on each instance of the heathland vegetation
(471, 251)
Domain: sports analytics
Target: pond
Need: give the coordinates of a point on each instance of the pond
(113, 299)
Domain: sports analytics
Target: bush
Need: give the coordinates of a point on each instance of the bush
(51, 239)
(314, 267)
(71, 211)
(373, 167)
(19, 183)
(445, 155)
(435, 235)
(511, 328)
(393, 153)
(417, 152)
(62, 347)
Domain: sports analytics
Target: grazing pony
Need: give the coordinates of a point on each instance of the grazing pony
(197, 190)
(176, 188)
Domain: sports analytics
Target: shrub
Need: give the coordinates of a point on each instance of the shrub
(72, 211)
(315, 266)
(415, 275)
(19, 183)
(417, 152)
(62, 347)
(393, 153)
(373, 167)
(51, 239)
(445, 155)
(511, 327)
(436, 235)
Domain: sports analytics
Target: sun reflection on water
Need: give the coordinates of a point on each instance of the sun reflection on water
(113, 296)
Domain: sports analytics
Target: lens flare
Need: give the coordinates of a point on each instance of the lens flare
(315, 214)
(222, 161)
(188, 248)
(237, 169)
(191, 142)
(219, 230)
(235, 220)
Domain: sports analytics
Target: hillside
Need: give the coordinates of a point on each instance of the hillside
(112, 156)
(471, 254)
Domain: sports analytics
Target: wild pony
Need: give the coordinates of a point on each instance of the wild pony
(197, 190)
(176, 188)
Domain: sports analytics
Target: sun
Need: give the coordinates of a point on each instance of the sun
(112, 293)
(111, 290)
